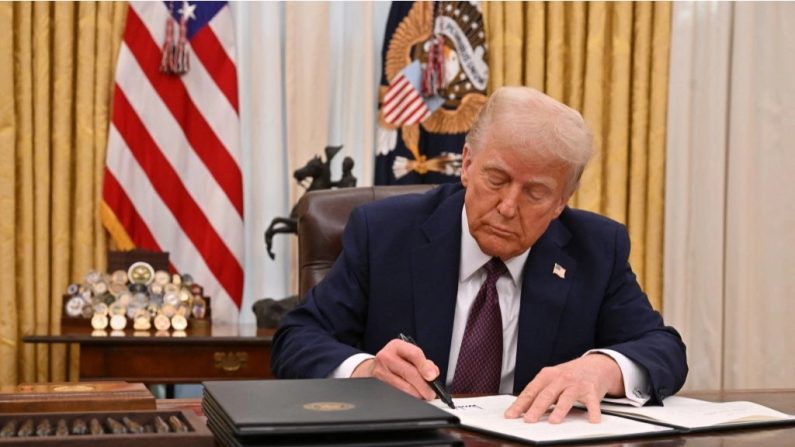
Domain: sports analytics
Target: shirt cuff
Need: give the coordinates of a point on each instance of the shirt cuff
(636, 382)
(345, 370)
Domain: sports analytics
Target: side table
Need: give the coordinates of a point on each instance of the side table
(200, 353)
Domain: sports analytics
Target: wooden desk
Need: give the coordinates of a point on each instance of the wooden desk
(782, 400)
(200, 353)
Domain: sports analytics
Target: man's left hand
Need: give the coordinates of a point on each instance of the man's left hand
(586, 379)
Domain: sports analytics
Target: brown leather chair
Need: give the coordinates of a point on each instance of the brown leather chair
(322, 216)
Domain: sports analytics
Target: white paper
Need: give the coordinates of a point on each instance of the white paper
(694, 413)
(487, 413)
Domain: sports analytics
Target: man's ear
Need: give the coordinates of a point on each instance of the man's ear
(562, 204)
(466, 163)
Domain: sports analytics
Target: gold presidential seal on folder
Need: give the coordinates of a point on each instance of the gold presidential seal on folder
(329, 406)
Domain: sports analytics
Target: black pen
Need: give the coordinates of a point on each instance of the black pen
(437, 387)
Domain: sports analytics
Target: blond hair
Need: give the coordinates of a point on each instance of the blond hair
(534, 123)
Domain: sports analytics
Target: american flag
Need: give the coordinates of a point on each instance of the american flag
(172, 176)
(403, 104)
(559, 271)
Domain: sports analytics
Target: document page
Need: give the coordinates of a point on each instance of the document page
(694, 413)
(486, 414)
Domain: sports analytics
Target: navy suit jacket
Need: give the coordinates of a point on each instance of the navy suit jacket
(398, 272)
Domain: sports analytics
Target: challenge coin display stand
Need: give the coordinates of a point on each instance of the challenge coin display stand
(137, 293)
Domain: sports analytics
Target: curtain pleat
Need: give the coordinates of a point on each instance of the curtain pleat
(609, 60)
(639, 134)
(590, 192)
(306, 62)
(62, 106)
(56, 66)
(23, 254)
(535, 45)
(9, 317)
(658, 112)
(555, 77)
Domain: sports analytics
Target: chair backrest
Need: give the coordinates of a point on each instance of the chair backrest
(322, 216)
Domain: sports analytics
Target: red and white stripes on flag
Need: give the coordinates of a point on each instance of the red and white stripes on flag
(172, 178)
(403, 104)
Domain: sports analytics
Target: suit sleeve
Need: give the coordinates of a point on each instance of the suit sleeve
(628, 324)
(316, 337)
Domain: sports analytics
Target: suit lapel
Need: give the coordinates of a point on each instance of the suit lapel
(435, 280)
(544, 296)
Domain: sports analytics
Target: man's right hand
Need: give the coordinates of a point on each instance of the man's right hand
(403, 366)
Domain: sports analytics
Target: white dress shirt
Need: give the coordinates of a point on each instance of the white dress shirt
(470, 278)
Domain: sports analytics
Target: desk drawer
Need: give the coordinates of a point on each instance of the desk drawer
(174, 363)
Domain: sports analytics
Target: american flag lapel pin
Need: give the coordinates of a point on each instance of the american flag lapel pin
(559, 271)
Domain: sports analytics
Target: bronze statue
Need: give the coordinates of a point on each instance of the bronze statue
(347, 180)
(269, 311)
(319, 174)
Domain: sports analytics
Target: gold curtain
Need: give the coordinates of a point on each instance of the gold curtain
(609, 60)
(56, 78)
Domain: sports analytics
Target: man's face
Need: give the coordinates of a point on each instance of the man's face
(511, 197)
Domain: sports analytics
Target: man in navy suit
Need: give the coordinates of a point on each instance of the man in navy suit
(575, 325)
